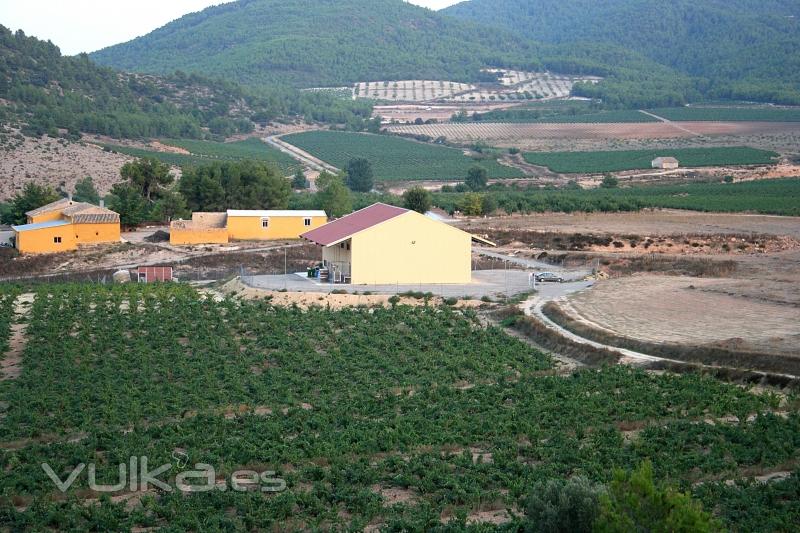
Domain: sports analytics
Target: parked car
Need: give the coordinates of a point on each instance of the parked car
(544, 277)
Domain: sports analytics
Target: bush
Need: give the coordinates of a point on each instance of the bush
(609, 182)
(635, 503)
(570, 506)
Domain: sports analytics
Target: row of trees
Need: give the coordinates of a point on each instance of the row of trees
(148, 191)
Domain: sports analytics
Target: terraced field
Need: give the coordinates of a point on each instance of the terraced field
(393, 158)
(409, 90)
(422, 418)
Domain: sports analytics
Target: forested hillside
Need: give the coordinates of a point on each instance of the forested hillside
(320, 42)
(736, 49)
(44, 92)
(311, 43)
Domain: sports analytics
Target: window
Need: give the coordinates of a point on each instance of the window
(265, 223)
(56, 240)
(306, 221)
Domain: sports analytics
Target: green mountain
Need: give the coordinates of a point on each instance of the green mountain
(42, 91)
(320, 43)
(734, 48)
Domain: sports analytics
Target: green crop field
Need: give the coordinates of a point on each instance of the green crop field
(393, 158)
(204, 152)
(731, 114)
(615, 161)
(774, 197)
(422, 416)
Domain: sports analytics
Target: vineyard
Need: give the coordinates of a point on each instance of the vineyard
(204, 152)
(774, 197)
(730, 114)
(513, 132)
(543, 117)
(394, 158)
(421, 417)
(614, 161)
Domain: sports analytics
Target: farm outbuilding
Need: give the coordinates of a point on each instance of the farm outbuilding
(666, 163)
(152, 274)
(384, 244)
(204, 228)
(244, 225)
(64, 225)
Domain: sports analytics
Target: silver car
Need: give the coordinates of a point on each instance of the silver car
(544, 277)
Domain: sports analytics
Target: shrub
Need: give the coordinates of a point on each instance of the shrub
(634, 502)
(570, 506)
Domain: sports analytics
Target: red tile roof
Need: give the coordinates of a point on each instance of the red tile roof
(341, 229)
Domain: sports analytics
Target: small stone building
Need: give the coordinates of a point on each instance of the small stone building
(666, 163)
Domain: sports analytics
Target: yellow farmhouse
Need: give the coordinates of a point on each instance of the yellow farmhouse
(383, 244)
(64, 225)
(244, 225)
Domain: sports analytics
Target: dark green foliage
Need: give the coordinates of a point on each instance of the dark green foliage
(777, 197)
(360, 177)
(609, 182)
(234, 185)
(395, 158)
(48, 91)
(32, 196)
(417, 199)
(127, 200)
(477, 178)
(634, 502)
(735, 49)
(169, 206)
(299, 180)
(558, 506)
(260, 42)
(614, 161)
(148, 176)
(333, 197)
(755, 506)
(85, 191)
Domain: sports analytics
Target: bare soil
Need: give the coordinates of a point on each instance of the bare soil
(305, 300)
(190, 262)
(688, 311)
(58, 163)
(11, 363)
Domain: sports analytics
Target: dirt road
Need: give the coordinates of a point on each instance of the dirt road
(299, 155)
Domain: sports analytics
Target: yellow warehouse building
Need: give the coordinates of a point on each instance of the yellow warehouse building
(64, 225)
(384, 244)
(244, 225)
